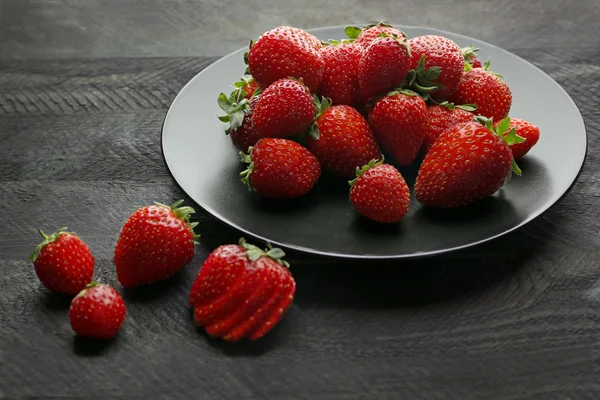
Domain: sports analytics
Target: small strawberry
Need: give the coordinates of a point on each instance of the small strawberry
(486, 90)
(441, 116)
(285, 52)
(380, 192)
(97, 312)
(364, 36)
(340, 79)
(155, 243)
(342, 140)
(525, 129)
(63, 263)
(470, 56)
(280, 169)
(398, 123)
(284, 109)
(242, 291)
(238, 107)
(469, 162)
(245, 136)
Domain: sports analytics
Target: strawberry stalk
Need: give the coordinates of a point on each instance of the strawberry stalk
(235, 105)
(452, 106)
(423, 81)
(47, 240)
(184, 214)
(510, 137)
(360, 171)
(254, 252)
(320, 107)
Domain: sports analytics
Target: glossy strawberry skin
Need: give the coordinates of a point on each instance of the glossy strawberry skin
(345, 141)
(283, 110)
(284, 52)
(466, 164)
(245, 136)
(367, 36)
(398, 123)
(249, 88)
(381, 194)
(488, 92)
(438, 119)
(526, 130)
(97, 313)
(340, 78)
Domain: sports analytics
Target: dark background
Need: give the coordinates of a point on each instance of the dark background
(84, 87)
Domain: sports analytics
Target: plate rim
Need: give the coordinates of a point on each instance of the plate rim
(406, 256)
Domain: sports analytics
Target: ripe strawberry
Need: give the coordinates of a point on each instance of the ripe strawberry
(242, 291)
(245, 136)
(342, 140)
(383, 66)
(525, 129)
(238, 107)
(340, 79)
(284, 109)
(441, 116)
(97, 312)
(155, 243)
(364, 36)
(285, 52)
(470, 56)
(486, 90)
(469, 162)
(398, 123)
(63, 263)
(280, 169)
(438, 63)
(380, 193)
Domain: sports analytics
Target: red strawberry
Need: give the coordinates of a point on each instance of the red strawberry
(364, 36)
(486, 90)
(245, 136)
(380, 193)
(284, 109)
(63, 262)
(440, 117)
(238, 107)
(469, 162)
(383, 66)
(155, 243)
(340, 79)
(285, 52)
(342, 140)
(438, 63)
(97, 312)
(525, 129)
(280, 169)
(470, 56)
(247, 300)
(398, 122)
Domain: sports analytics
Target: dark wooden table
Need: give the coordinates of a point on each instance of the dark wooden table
(84, 88)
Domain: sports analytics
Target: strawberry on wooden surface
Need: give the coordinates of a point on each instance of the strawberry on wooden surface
(340, 79)
(155, 243)
(526, 130)
(441, 116)
(97, 312)
(63, 262)
(365, 35)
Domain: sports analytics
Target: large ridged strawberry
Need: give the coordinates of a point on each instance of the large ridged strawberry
(380, 192)
(285, 52)
(470, 56)
(97, 312)
(340, 79)
(525, 129)
(342, 140)
(63, 263)
(398, 123)
(486, 90)
(469, 162)
(284, 109)
(383, 66)
(280, 169)
(438, 63)
(238, 113)
(441, 116)
(242, 291)
(365, 35)
(155, 243)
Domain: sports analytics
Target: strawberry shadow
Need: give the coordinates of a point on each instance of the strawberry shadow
(157, 291)
(88, 347)
(55, 302)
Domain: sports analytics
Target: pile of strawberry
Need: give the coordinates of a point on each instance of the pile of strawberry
(305, 107)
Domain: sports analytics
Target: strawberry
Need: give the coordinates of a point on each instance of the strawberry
(383, 66)
(280, 169)
(441, 116)
(470, 55)
(63, 263)
(285, 52)
(342, 140)
(525, 129)
(364, 36)
(486, 90)
(238, 107)
(284, 109)
(398, 123)
(245, 136)
(155, 243)
(340, 78)
(380, 192)
(242, 291)
(438, 64)
(469, 162)
(97, 312)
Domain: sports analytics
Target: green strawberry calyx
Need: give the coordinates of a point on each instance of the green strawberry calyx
(360, 171)
(321, 105)
(469, 52)
(254, 252)
(403, 41)
(423, 81)
(507, 134)
(452, 106)
(47, 240)
(245, 174)
(354, 31)
(87, 287)
(184, 214)
(235, 106)
(335, 42)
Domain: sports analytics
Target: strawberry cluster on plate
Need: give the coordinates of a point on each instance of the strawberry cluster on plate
(361, 107)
